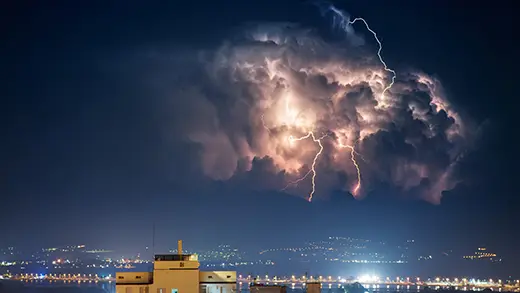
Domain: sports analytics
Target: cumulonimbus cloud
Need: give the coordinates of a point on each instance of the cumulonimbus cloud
(256, 96)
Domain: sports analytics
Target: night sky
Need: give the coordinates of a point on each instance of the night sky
(94, 149)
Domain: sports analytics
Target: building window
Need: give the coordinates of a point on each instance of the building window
(161, 290)
(210, 277)
(138, 277)
(120, 277)
(175, 290)
(229, 277)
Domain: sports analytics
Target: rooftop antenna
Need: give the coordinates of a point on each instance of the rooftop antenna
(153, 240)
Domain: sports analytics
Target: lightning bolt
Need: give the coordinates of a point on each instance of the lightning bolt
(263, 123)
(297, 180)
(378, 53)
(312, 171)
(343, 21)
(314, 161)
(355, 163)
(346, 24)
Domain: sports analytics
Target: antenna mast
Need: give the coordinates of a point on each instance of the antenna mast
(153, 240)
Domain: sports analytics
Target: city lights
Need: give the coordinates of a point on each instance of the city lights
(331, 251)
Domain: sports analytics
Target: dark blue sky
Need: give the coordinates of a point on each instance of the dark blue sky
(84, 157)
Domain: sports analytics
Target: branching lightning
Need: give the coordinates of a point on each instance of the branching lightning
(284, 86)
(295, 182)
(293, 114)
(314, 161)
(378, 55)
(345, 23)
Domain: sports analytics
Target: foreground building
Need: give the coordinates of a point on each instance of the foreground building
(176, 273)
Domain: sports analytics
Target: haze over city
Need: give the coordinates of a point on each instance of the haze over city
(275, 137)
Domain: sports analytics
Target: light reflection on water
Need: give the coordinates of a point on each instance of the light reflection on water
(104, 287)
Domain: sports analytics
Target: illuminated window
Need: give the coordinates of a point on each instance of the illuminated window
(175, 290)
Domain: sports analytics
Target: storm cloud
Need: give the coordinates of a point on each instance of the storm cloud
(278, 95)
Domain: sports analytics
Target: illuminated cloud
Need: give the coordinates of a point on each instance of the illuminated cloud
(258, 95)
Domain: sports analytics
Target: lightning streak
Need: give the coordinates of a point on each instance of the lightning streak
(291, 140)
(263, 123)
(295, 182)
(378, 54)
(355, 163)
(345, 23)
(314, 161)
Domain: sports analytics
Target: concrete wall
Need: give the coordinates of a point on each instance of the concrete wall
(134, 277)
(133, 289)
(218, 277)
(183, 280)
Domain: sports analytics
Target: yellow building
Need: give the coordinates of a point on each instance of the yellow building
(176, 273)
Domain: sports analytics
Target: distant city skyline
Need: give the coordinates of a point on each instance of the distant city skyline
(477, 251)
(330, 255)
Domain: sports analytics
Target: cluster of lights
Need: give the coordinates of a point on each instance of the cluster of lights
(364, 279)
(58, 277)
(375, 279)
(237, 264)
(223, 252)
(369, 261)
(481, 253)
(368, 279)
(345, 250)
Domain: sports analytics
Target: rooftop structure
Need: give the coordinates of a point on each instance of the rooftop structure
(176, 273)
